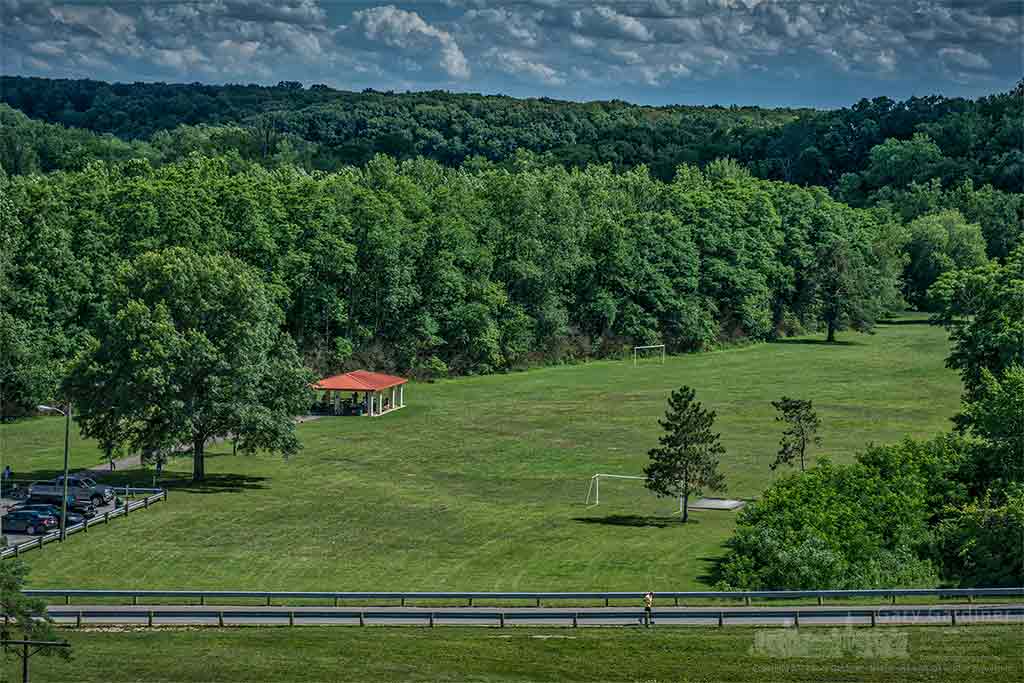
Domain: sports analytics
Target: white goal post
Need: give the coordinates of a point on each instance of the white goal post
(649, 347)
(594, 490)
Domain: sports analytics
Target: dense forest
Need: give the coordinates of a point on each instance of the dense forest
(436, 233)
(978, 140)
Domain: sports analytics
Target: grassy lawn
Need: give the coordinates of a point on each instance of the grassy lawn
(975, 653)
(479, 484)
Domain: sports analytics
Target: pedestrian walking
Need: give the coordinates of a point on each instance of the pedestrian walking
(648, 608)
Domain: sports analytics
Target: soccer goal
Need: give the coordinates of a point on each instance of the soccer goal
(628, 495)
(649, 352)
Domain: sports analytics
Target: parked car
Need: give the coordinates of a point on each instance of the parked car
(29, 522)
(81, 488)
(82, 507)
(52, 510)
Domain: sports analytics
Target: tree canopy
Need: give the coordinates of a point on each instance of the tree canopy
(190, 348)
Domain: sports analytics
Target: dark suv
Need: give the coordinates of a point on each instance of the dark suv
(81, 507)
(53, 511)
(30, 522)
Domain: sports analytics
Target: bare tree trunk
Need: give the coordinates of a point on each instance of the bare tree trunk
(198, 462)
(686, 506)
(831, 331)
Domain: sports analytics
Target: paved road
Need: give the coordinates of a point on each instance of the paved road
(532, 616)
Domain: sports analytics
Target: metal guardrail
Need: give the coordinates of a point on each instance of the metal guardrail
(54, 536)
(492, 617)
(409, 596)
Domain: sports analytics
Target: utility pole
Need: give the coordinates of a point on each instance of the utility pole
(26, 655)
(67, 447)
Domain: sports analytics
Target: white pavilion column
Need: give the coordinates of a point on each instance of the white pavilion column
(401, 395)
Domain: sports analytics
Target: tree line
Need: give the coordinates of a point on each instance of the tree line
(418, 268)
(974, 139)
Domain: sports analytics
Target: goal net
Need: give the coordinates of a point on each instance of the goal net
(626, 493)
(652, 353)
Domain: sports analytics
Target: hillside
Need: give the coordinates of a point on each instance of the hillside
(977, 139)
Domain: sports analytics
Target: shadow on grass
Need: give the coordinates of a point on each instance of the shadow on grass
(712, 569)
(634, 521)
(817, 342)
(213, 483)
(905, 321)
(145, 478)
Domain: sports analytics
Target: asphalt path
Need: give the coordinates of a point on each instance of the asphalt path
(234, 615)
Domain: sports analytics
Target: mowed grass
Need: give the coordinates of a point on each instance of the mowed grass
(479, 484)
(934, 654)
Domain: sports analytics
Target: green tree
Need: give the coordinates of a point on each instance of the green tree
(802, 425)
(26, 617)
(995, 414)
(686, 461)
(844, 526)
(982, 543)
(939, 242)
(983, 308)
(847, 286)
(191, 350)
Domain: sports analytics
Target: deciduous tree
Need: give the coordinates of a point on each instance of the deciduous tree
(191, 350)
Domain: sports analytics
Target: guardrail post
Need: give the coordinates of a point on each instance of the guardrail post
(268, 601)
(538, 602)
(893, 598)
(202, 600)
(106, 517)
(606, 602)
(970, 598)
(431, 620)
(575, 620)
(677, 601)
(874, 618)
(220, 619)
(471, 602)
(403, 602)
(149, 620)
(820, 601)
(721, 619)
(78, 620)
(67, 599)
(85, 526)
(335, 600)
(796, 619)
(291, 618)
(135, 599)
(145, 502)
(362, 619)
(746, 601)
(501, 619)
(17, 550)
(952, 617)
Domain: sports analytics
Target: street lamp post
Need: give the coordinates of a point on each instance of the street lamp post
(67, 448)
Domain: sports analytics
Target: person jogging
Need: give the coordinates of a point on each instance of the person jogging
(648, 608)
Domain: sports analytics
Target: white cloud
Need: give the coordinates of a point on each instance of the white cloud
(407, 30)
(959, 57)
(517, 65)
(603, 21)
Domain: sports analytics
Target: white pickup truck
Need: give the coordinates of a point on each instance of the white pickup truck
(82, 489)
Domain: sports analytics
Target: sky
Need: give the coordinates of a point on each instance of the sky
(826, 53)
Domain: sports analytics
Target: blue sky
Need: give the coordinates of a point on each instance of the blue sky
(764, 52)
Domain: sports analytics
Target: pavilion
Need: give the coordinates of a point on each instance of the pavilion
(381, 393)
